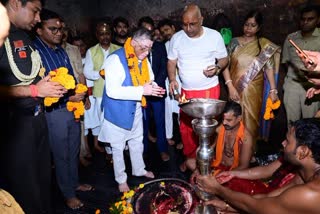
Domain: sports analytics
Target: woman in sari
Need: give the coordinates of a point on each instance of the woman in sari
(253, 64)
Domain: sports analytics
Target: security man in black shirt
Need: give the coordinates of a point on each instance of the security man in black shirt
(25, 169)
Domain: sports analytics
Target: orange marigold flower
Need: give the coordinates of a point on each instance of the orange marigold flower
(130, 210)
(61, 76)
(102, 72)
(80, 88)
(77, 108)
(270, 106)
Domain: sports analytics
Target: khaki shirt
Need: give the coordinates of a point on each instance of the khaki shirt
(290, 56)
(75, 60)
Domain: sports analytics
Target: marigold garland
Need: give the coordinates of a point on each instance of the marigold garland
(270, 106)
(77, 107)
(124, 206)
(102, 73)
(139, 77)
(61, 76)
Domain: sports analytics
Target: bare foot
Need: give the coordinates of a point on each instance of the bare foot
(179, 146)
(84, 162)
(124, 187)
(149, 174)
(85, 188)
(191, 164)
(183, 166)
(74, 203)
(164, 156)
(171, 142)
(152, 139)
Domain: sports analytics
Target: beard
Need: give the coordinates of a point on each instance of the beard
(227, 127)
(290, 157)
(122, 35)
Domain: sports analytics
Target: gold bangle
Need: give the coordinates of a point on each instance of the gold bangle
(274, 90)
(227, 82)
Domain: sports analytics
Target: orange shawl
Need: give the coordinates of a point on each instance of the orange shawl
(236, 147)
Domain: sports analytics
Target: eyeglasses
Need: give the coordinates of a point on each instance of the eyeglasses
(54, 30)
(144, 48)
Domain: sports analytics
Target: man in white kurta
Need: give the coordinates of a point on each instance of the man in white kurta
(167, 30)
(115, 76)
(95, 57)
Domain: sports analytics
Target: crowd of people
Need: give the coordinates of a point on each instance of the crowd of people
(134, 81)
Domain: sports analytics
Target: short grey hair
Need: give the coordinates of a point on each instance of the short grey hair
(142, 34)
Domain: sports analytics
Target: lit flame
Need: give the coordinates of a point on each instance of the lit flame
(183, 99)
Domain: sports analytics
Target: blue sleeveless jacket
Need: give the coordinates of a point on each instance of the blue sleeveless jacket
(120, 112)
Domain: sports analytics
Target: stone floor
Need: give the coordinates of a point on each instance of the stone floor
(100, 175)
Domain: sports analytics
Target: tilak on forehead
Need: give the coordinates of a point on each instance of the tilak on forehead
(103, 27)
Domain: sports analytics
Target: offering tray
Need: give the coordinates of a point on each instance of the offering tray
(164, 196)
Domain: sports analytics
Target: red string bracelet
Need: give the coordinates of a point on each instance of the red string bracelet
(34, 90)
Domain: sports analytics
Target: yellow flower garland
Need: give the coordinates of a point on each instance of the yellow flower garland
(102, 73)
(61, 76)
(139, 78)
(77, 107)
(270, 106)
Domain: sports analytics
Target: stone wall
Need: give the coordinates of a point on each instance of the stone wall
(281, 16)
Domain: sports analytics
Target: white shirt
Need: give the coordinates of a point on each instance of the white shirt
(194, 55)
(174, 104)
(114, 77)
(88, 71)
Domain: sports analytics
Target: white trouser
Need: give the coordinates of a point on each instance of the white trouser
(117, 137)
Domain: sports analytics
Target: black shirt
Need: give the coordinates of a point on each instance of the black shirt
(21, 45)
(117, 43)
